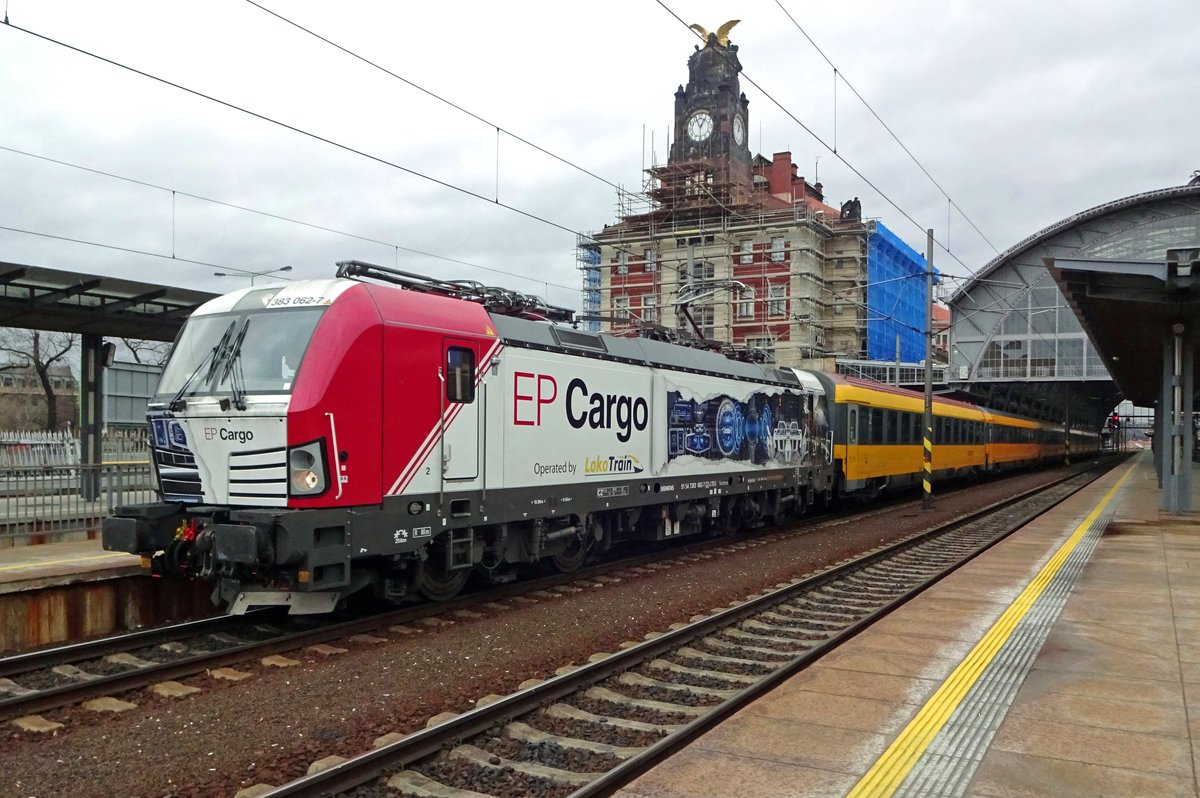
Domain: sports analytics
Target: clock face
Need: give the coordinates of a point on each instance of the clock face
(700, 126)
(739, 130)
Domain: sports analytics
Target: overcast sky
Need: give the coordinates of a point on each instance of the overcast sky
(1024, 113)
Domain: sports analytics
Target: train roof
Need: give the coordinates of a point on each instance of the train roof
(641, 351)
(878, 394)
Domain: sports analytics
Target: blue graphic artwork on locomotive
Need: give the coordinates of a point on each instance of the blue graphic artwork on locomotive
(780, 428)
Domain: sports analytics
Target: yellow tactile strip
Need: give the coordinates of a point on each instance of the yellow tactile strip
(890, 770)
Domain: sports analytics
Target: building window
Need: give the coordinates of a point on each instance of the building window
(703, 318)
(747, 250)
(650, 308)
(765, 344)
(621, 306)
(746, 304)
(651, 258)
(622, 262)
(778, 249)
(703, 271)
(777, 300)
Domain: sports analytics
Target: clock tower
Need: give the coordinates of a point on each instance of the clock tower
(709, 155)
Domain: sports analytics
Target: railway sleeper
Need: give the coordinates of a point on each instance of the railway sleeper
(784, 631)
(523, 732)
(482, 759)
(568, 712)
(787, 645)
(9, 687)
(73, 673)
(637, 680)
(844, 594)
(797, 620)
(771, 654)
(412, 783)
(613, 697)
(128, 661)
(831, 604)
(873, 588)
(736, 678)
(801, 613)
(717, 659)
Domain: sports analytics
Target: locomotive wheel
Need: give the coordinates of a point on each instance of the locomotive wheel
(572, 557)
(438, 584)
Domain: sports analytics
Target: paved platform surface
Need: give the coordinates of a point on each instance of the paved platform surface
(50, 564)
(1104, 671)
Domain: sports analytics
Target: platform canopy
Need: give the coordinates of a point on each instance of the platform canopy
(1128, 307)
(34, 297)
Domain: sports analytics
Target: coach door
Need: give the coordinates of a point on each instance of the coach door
(460, 410)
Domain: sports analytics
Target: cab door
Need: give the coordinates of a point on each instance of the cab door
(460, 409)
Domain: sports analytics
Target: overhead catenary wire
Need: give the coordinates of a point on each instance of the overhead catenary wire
(839, 74)
(428, 92)
(378, 159)
(271, 215)
(499, 129)
(301, 131)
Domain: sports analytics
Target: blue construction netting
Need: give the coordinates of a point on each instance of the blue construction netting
(896, 299)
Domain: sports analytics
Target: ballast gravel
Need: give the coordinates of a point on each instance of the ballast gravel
(268, 728)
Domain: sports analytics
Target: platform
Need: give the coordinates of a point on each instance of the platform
(54, 564)
(1063, 661)
(55, 593)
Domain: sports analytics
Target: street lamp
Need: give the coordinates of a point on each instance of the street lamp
(250, 274)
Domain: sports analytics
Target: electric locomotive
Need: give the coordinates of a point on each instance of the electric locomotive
(329, 436)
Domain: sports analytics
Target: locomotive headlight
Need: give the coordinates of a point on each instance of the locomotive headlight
(306, 469)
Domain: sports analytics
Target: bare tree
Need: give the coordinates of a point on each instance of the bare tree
(153, 353)
(37, 351)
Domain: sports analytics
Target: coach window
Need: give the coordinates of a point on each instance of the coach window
(893, 434)
(852, 431)
(460, 375)
(876, 426)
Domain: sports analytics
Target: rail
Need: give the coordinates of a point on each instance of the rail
(42, 503)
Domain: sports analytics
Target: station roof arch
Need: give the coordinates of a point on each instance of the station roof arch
(1018, 344)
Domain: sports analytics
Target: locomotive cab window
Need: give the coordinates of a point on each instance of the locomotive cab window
(460, 375)
(251, 350)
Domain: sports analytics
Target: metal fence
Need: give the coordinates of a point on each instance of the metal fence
(50, 503)
(19, 448)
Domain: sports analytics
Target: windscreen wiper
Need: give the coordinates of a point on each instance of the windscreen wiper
(233, 369)
(210, 360)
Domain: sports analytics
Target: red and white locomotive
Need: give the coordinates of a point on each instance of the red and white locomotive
(329, 436)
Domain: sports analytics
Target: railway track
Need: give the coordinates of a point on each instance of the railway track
(590, 730)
